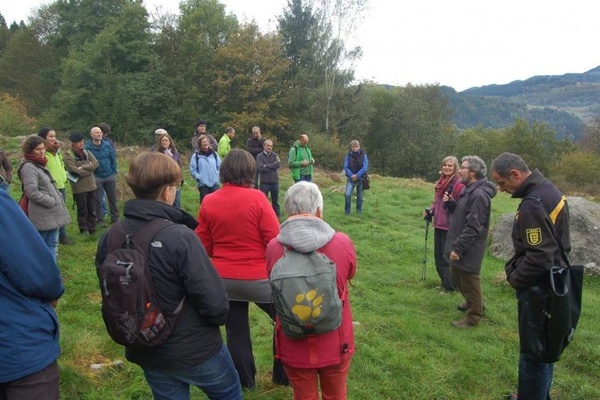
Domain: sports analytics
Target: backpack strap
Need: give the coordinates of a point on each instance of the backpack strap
(118, 237)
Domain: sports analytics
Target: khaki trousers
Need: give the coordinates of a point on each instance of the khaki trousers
(469, 285)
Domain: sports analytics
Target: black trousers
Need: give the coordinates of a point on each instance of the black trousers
(86, 210)
(239, 343)
(441, 264)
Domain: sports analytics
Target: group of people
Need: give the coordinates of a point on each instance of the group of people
(461, 213)
(220, 263)
(89, 165)
(206, 161)
(221, 260)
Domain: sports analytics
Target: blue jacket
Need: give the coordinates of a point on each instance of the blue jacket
(205, 168)
(106, 156)
(29, 279)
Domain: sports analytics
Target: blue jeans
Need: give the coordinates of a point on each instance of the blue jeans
(51, 239)
(177, 202)
(274, 189)
(535, 378)
(216, 377)
(307, 178)
(350, 185)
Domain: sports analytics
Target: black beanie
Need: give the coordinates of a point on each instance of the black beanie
(76, 137)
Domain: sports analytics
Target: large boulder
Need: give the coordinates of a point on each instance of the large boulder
(585, 235)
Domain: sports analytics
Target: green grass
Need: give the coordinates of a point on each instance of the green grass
(405, 346)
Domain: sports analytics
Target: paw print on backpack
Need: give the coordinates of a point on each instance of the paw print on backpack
(308, 305)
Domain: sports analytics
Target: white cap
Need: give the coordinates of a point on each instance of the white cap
(160, 131)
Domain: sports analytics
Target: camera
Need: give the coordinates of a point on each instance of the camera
(428, 215)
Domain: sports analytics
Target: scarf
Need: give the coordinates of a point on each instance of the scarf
(168, 152)
(80, 154)
(36, 159)
(53, 147)
(442, 184)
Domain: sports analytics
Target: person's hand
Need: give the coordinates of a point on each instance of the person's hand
(454, 256)
(354, 177)
(312, 160)
(304, 163)
(53, 303)
(446, 197)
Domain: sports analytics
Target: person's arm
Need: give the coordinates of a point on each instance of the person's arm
(203, 231)
(194, 167)
(292, 162)
(113, 160)
(275, 164)
(29, 178)
(364, 168)
(25, 259)
(346, 166)
(268, 222)
(534, 258)
(6, 164)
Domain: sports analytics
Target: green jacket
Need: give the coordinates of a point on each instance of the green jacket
(56, 166)
(296, 156)
(224, 146)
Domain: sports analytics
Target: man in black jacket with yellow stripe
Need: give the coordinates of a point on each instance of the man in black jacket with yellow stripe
(542, 216)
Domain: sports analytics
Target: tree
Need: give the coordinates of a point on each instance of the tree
(338, 19)
(187, 46)
(114, 77)
(26, 68)
(249, 81)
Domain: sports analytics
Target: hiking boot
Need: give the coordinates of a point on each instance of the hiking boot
(463, 324)
(66, 241)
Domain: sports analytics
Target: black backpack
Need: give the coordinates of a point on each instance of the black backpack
(131, 313)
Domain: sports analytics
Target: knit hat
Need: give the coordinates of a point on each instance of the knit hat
(200, 122)
(76, 137)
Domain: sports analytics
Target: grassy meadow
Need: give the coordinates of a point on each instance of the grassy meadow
(406, 347)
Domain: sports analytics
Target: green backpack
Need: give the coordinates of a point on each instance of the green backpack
(305, 294)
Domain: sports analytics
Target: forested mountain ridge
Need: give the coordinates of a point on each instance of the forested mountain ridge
(563, 102)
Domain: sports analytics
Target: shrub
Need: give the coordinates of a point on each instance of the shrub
(14, 120)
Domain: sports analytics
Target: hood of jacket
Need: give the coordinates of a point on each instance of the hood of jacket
(484, 184)
(148, 210)
(305, 233)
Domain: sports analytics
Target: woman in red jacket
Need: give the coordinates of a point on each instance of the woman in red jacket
(235, 225)
(324, 357)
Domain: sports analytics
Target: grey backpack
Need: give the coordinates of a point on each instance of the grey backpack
(305, 294)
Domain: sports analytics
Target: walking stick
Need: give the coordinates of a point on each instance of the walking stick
(427, 221)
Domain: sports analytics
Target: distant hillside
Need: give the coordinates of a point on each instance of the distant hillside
(564, 103)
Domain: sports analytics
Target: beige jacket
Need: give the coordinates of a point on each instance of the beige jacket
(86, 181)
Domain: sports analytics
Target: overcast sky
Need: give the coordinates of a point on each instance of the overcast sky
(460, 43)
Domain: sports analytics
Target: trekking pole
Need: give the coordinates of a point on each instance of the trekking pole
(427, 221)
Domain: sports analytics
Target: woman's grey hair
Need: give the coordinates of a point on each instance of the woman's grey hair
(303, 198)
(476, 165)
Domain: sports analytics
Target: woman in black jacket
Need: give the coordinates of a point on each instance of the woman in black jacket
(180, 268)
